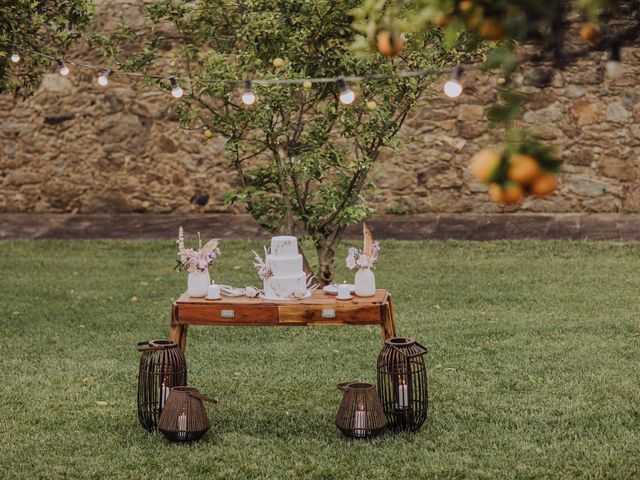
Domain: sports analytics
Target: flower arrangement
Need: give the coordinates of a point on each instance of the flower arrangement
(357, 258)
(196, 260)
(264, 270)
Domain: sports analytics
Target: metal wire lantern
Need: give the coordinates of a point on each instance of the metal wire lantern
(360, 414)
(402, 383)
(184, 418)
(162, 366)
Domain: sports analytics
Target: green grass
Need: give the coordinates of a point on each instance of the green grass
(533, 366)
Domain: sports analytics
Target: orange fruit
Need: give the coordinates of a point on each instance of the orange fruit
(491, 28)
(496, 193)
(306, 84)
(475, 17)
(390, 44)
(442, 20)
(485, 164)
(465, 5)
(523, 169)
(277, 62)
(589, 32)
(544, 185)
(513, 193)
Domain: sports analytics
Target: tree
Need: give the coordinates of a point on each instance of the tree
(48, 27)
(302, 157)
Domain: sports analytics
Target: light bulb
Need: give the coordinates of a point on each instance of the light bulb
(346, 94)
(103, 78)
(176, 91)
(614, 66)
(453, 87)
(15, 56)
(64, 70)
(248, 97)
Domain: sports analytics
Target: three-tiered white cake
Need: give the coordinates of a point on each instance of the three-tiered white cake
(287, 280)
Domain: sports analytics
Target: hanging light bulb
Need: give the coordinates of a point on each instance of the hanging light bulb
(453, 87)
(15, 55)
(248, 97)
(103, 78)
(614, 66)
(346, 94)
(64, 70)
(176, 91)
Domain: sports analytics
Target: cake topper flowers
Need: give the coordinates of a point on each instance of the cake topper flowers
(196, 260)
(368, 256)
(264, 270)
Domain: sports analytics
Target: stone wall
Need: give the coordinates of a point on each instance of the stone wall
(77, 147)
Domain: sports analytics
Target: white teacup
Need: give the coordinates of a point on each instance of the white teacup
(344, 291)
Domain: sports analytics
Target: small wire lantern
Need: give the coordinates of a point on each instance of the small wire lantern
(162, 366)
(360, 414)
(402, 383)
(184, 418)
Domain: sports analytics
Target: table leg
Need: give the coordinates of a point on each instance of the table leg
(178, 332)
(389, 324)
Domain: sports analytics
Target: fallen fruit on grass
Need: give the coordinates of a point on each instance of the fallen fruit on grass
(371, 105)
(589, 32)
(513, 193)
(523, 169)
(485, 164)
(306, 84)
(277, 62)
(134, 299)
(390, 44)
(208, 133)
(544, 185)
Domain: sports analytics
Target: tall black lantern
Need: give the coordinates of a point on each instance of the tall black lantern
(402, 383)
(162, 367)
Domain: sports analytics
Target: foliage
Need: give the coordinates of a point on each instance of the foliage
(532, 363)
(302, 157)
(47, 26)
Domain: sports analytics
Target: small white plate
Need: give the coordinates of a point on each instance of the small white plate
(333, 289)
(262, 295)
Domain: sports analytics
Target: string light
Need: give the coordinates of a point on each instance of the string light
(614, 66)
(103, 78)
(64, 70)
(176, 91)
(453, 87)
(248, 97)
(346, 94)
(15, 55)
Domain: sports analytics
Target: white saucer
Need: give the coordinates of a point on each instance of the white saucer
(350, 297)
(262, 295)
(333, 289)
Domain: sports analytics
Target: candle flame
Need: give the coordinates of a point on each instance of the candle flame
(361, 407)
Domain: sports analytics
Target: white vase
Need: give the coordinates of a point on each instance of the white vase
(365, 283)
(198, 283)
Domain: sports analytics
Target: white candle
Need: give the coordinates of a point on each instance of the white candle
(214, 292)
(182, 425)
(360, 422)
(344, 291)
(164, 395)
(403, 395)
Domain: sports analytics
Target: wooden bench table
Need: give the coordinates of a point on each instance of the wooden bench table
(319, 309)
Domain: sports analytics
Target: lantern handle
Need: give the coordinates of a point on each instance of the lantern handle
(344, 386)
(413, 355)
(144, 346)
(201, 396)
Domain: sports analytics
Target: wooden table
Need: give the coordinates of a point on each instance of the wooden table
(319, 309)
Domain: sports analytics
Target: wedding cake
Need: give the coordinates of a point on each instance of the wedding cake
(286, 279)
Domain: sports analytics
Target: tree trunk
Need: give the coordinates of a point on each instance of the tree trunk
(325, 259)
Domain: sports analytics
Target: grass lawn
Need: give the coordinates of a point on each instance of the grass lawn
(533, 366)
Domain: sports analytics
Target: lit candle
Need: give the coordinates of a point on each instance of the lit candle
(360, 423)
(344, 291)
(182, 424)
(214, 292)
(403, 394)
(164, 395)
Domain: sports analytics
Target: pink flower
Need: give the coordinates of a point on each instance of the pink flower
(363, 261)
(202, 265)
(351, 262)
(264, 272)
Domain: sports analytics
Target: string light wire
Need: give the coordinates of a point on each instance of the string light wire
(258, 81)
